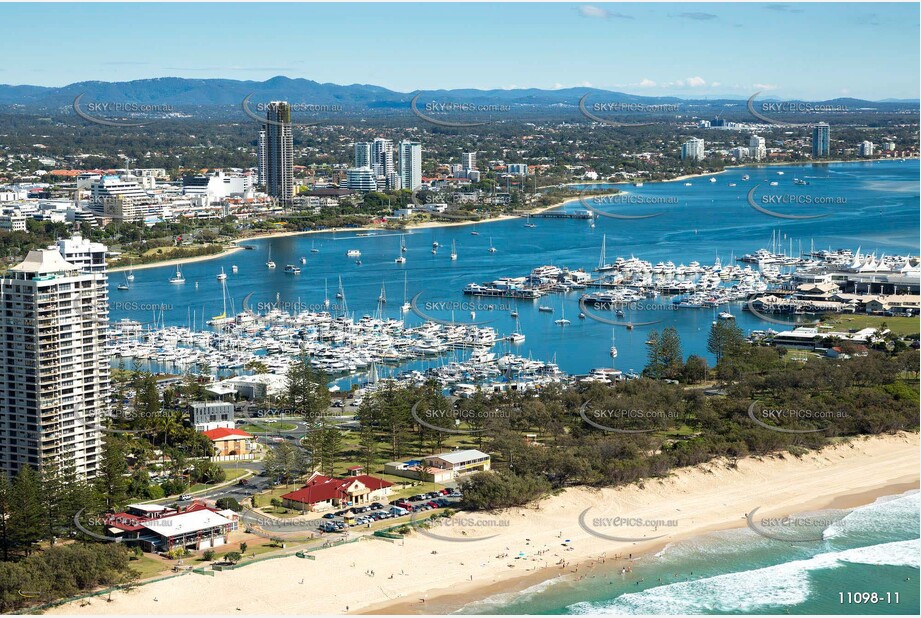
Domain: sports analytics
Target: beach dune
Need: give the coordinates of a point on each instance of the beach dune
(479, 554)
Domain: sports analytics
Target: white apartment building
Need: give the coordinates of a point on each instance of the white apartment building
(12, 220)
(260, 158)
(692, 150)
(410, 165)
(756, 147)
(382, 157)
(468, 161)
(54, 367)
(122, 198)
(866, 149)
(361, 179)
(86, 255)
(363, 154)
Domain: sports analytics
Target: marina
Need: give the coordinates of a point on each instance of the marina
(712, 253)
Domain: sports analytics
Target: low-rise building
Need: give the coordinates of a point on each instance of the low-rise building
(233, 443)
(323, 493)
(157, 528)
(460, 462)
(211, 415)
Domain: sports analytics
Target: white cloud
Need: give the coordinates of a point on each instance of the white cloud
(696, 82)
(764, 86)
(647, 83)
(589, 10)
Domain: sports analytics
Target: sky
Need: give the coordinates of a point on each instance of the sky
(785, 50)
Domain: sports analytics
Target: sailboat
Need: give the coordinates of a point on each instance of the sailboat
(222, 275)
(124, 286)
(562, 321)
(403, 248)
(453, 251)
(492, 249)
(517, 336)
(400, 258)
(602, 261)
(474, 232)
(529, 224)
(325, 295)
(234, 269)
(405, 308)
(177, 278)
(382, 299)
(613, 348)
(270, 264)
(312, 248)
(222, 318)
(130, 275)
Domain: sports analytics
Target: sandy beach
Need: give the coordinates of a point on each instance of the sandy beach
(481, 554)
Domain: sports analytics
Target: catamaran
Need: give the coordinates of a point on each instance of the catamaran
(517, 336)
(400, 259)
(130, 275)
(270, 264)
(492, 248)
(562, 321)
(177, 278)
(221, 275)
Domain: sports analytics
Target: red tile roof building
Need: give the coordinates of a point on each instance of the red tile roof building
(323, 492)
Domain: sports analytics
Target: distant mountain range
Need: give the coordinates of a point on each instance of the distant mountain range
(185, 93)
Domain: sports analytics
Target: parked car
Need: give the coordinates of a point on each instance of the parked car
(377, 506)
(185, 497)
(329, 516)
(445, 491)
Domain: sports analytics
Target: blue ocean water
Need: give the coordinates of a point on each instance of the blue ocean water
(875, 208)
(874, 548)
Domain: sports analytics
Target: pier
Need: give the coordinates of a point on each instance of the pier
(582, 214)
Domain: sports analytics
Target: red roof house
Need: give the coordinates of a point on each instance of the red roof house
(229, 442)
(323, 492)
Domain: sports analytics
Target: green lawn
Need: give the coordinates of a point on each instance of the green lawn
(150, 567)
(900, 326)
(255, 428)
